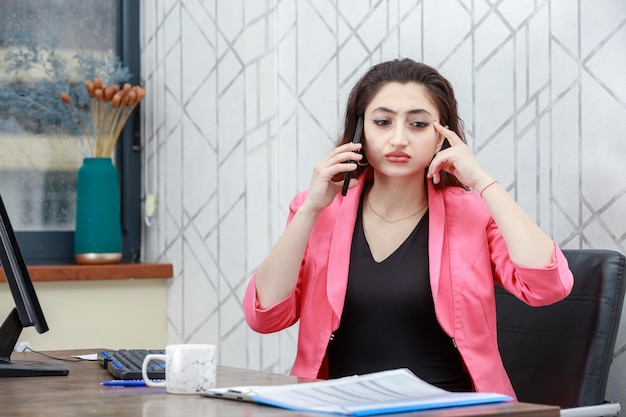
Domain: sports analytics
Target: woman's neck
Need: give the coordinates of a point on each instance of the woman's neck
(395, 197)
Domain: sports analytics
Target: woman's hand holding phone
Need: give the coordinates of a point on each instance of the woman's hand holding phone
(329, 172)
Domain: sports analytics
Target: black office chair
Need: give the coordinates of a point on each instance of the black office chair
(561, 354)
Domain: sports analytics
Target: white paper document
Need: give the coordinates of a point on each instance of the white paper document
(364, 395)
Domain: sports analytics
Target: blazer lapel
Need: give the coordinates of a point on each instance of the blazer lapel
(439, 260)
(436, 213)
(341, 242)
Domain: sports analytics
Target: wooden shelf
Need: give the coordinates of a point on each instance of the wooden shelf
(97, 272)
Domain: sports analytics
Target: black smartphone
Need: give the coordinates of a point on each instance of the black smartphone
(356, 139)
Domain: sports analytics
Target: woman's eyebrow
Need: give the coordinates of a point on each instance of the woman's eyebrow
(412, 111)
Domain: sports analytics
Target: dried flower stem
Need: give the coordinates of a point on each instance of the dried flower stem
(66, 99)
(110, 109)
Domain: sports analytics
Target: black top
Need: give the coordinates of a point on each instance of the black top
(388, 319)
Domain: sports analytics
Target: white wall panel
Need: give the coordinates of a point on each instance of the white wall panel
(245, 96)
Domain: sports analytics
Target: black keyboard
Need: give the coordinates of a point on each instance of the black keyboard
(126, 363)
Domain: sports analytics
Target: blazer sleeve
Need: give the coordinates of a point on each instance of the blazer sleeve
(537, 286)
(286, 312)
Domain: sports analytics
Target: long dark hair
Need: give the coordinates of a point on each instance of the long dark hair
(404, 71)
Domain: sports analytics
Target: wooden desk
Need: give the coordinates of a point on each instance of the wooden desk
(80, 394)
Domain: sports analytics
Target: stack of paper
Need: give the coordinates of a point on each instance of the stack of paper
(364, 395)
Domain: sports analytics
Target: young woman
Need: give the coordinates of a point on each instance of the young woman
(400, 272)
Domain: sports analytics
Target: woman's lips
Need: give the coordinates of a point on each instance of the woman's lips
(397, 157)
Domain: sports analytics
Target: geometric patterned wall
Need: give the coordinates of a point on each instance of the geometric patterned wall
(246, 95)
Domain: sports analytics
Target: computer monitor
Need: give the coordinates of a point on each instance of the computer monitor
(26, 312)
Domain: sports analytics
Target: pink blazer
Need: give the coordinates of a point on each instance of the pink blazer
(467, 256)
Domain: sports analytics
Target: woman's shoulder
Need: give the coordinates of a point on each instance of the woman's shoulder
(299, 198)
(459, 200)
(453, 193)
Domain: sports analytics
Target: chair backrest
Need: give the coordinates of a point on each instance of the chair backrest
(561, 354)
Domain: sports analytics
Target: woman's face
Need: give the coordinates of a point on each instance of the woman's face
(400, 139)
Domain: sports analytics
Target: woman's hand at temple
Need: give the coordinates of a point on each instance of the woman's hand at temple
(458, 160)
(528, 245)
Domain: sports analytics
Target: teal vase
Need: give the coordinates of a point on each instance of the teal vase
(98, 235)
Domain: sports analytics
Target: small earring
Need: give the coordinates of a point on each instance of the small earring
(363, 162)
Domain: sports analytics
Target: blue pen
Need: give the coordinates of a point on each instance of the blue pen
(127, 382)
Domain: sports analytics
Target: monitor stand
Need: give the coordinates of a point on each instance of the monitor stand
(9, 334)
(32, 368)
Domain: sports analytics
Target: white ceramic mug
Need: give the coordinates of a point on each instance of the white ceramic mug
(189, 368)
